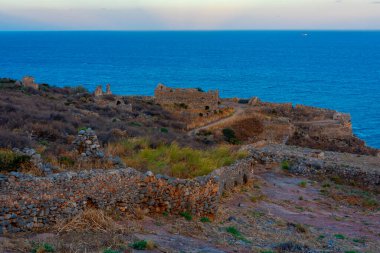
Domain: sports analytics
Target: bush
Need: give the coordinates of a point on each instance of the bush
(205, 220)
(186, 215)
(67, 161)
(140, 245)
(285, 165)
(230, 136)
(10, 161)
(43, 248)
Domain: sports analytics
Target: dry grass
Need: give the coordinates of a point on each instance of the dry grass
(91, 219)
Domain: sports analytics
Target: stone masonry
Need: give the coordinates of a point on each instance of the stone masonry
(29, 203)
(192, 99)
(28, 81)
(363, 171)
(87, 144)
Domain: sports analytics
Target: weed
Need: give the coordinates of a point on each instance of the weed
(339, 236)
(140, 245)
(257, 214)
(205, 219)
(43, 248)
(370, 203)
(11, 161)
(186, 215)
(67, 161)
(236, 233)
(166, 214)
(258, 198)
(300, 228)
(285, 165)
(358, 240)
(230, 136)
(111, 251)
(302, 184)
(164, 130)
(233, 231)
(320, 237)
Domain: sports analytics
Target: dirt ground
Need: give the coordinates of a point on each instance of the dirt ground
(276, 212)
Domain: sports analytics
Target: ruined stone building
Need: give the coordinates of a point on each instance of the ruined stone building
(191, 99)
(99, 90)
(28, 81)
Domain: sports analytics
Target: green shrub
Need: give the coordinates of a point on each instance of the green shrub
(67, 161)
(339, 236)
(186, 215)
(44, 247)
(140, 245)
(164, 130)
(205, 219)
(230, 136)
(236, 233)
(285, 165)
(111, 251)
(10, 161)
(302, 184)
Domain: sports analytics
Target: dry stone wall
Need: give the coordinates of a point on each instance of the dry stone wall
(29, 203)
(363, 171)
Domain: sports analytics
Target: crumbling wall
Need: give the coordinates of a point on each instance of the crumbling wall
(192, 99)
(28, 81)
(29, 202)
(363, 171)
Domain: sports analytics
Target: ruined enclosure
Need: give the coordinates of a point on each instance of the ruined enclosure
(191, 99)
(30, 203)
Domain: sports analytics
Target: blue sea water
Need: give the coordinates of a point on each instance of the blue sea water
(338, 70)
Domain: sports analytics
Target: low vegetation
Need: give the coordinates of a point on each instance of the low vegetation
(10, 161)
(172, 159)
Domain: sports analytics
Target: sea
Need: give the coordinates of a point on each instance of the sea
(330, 69)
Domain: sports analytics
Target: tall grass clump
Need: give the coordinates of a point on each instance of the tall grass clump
(10, 161)
(173, 160)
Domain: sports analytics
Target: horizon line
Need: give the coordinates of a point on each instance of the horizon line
(205, 30)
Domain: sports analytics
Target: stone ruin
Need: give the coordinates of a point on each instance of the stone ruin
(99, 90)
(36, 160)
(30, 203)
(28, 81)
(87, 144)
(191, 99)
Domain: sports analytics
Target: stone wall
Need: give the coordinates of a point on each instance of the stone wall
(363, 171)
(191, 99)
(29, 203)
(28, 81)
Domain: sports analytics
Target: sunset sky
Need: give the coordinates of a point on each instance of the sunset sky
(189, 14)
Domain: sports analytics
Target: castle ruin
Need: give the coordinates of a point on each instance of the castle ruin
(99, 90)
(28, 81)
(191, 99)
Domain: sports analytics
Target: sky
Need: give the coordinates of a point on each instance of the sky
(189, 15)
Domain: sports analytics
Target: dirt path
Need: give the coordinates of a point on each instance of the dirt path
(238, 112)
